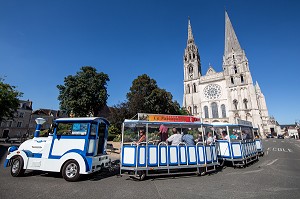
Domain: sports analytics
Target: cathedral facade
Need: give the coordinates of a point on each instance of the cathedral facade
(227, 95)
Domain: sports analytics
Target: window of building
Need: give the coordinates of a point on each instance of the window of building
(214, 110)
(242, 79)
(21, 115)
(195, 110)
(235, 69)
(223, 108)
(245, 101)
(188, 89)
(232, 81)
(19, 124)
(9, 124)
(206, 112)
(194, 87)
(190, 110)
(235, 104)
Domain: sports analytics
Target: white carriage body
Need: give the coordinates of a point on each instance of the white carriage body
(52, 152)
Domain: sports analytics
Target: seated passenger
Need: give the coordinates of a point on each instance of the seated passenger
(142, 136)
(188, 139)
(175, 139)
(225, 135)
(209, 139)
(234, 136)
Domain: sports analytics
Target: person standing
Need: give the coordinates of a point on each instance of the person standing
(163, 133)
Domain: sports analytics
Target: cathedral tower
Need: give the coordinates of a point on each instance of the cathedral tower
(192, 70)
(227, 95)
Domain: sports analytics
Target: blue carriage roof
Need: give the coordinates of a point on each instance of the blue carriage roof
(168, 124)
(224, 124)
(83, 119)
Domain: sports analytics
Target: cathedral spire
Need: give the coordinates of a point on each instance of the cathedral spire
(231, 41)
(190, 33)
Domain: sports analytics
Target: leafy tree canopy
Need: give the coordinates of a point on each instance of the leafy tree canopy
(146, 97)
(9, 100)
(85, 93)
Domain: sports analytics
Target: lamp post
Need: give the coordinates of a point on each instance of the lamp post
(39, 122)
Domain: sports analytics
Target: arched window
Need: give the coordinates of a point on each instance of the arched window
(232, 81)
(206, 112)
(194, 87)
(245, 101)
(223, 108)
(242, 79)
(195, 109)
(235, 104)
(214, 110)
(190, 56)
(193, 55)
(188, 89)
(235, 69)
(190, 110)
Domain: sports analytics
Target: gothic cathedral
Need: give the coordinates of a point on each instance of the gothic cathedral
(223, 96)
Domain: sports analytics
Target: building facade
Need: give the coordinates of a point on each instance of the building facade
(19, 126)
(227, 95)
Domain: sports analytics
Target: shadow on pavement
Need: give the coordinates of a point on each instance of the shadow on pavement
(3, 153)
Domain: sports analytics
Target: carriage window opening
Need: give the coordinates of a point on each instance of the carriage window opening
(72, 128)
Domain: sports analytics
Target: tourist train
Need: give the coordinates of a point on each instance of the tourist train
(151, 145)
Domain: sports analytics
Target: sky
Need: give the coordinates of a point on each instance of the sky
(42, 42)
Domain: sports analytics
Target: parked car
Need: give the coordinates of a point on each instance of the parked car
(270, 135)
(280, 136)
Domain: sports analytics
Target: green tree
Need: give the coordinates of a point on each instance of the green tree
(145, 96)
(85, 93)
(141, 88)
(9, 100)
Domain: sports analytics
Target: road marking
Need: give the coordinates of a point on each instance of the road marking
(267, 153)
(281, 150)
(274, 140)
(272, 162)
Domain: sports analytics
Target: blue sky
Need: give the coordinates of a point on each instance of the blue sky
(41, 42)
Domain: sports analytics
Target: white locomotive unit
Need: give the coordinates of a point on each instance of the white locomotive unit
(75, 146)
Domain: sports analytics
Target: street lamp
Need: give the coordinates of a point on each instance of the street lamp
(39, 122)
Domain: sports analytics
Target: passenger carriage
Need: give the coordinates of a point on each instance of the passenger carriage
(240, 148)
(155, 157)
